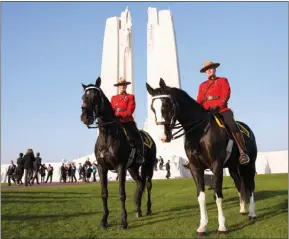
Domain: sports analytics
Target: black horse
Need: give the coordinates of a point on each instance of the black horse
(112, 151)
(208, 145)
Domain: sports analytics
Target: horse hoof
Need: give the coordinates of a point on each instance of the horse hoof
(103, 225)
(138, 214)
(123, 226)
(201, 234)
(252, 218)
(149, 213)
(244, 213)
(221, 232)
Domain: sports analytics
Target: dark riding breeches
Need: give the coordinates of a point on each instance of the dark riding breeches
(134, 135)
(228, 119)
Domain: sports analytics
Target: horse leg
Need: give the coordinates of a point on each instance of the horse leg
(122, 195)
(218, 182)
(104, 195)
(237, 180)
(198, 176)
(147, 174)
(248, 187)
(252, 214)
(149, 204)
(139, 189)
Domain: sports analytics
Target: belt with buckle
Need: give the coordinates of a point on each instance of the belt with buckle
(208, 98)
(120, 109)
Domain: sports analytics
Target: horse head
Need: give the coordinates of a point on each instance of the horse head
(92, 102)
(164, 109)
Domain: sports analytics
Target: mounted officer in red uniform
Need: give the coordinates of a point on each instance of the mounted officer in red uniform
(123, 106)
(214, 94)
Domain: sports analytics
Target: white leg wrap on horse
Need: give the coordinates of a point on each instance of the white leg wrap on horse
(242, 205)
(252, 206)
(221, 217)
(204, 216)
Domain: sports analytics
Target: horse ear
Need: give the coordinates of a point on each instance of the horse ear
(163, 85)
(149, 89)
(84, 86)
(98, 82)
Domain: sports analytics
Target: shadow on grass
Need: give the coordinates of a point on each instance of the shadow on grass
(39, 217)
(44, 192)
(49, 194)
(181, 211)
(261, 195)
(16, 197)
(281, 208)
(17, 202)
(158, 219)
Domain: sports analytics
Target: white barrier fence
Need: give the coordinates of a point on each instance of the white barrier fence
(267, 163)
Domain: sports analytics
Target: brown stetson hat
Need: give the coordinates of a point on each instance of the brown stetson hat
(122, 81)
(208, 65)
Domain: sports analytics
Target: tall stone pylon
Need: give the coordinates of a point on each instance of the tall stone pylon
(162, 62)
(117, 54)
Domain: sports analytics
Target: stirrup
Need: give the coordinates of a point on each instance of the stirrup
(244, 159)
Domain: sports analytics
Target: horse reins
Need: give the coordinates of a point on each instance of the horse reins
(94, 111)
(172, 125)
(103, 121)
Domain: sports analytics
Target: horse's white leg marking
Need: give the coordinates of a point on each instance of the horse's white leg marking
(204, 216)
(221, 217)
(242, 205)
(252, 206)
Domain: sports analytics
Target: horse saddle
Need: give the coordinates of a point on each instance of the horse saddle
(239, 125)
(229, 147)
(135, 152)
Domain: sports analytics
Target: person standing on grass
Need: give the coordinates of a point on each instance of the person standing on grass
(94, 170)
(73, 171)
(88, 173)
(69, 172)
(36, 167)
(49, 173)
(42, 172)
(63, 173)
(20, 169)
(80, 171)
(11, 173)
(28, 166)
(168, 168)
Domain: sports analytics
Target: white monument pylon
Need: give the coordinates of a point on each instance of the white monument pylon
(162, 62)
(117, 54)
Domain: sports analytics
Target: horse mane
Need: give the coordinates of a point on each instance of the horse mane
(185, 98)
(107, 104)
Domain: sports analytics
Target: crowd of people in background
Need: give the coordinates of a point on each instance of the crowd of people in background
(29, 168)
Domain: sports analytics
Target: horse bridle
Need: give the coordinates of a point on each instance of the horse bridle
(97, 109)
(173, 119)
(172, 125)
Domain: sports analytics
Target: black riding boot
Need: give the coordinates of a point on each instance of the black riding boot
(136, 155)
(244, 158)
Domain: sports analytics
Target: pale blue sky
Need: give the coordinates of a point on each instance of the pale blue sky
(50, 48)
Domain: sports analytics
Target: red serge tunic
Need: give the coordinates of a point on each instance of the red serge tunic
(123, 105)
(214, 93)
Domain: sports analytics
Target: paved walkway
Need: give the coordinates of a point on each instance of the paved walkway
(47, 184)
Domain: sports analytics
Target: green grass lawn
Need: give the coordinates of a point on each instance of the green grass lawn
(75, 211)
